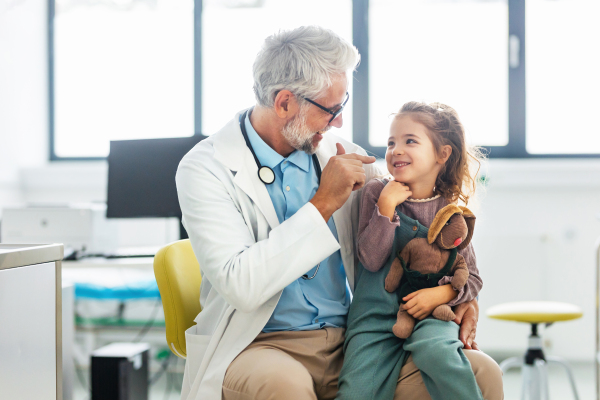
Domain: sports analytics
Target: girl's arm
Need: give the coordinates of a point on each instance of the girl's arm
(375, 231)
(474, 283)
(421, 303)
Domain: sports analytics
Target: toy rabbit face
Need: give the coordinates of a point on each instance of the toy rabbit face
(454, 232)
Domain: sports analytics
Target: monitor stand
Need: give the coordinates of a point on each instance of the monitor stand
(182, 232)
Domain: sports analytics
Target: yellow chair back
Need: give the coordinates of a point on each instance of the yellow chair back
(178, 276)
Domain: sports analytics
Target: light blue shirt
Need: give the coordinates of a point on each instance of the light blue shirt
(304, 304)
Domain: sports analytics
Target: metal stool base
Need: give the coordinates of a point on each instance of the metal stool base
(534, 370)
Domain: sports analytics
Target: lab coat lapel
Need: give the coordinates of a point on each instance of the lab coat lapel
(231, 150)
(247, 180)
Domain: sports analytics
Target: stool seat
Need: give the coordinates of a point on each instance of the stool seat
(535, 312)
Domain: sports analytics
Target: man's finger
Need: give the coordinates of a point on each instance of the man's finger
(340, 149)
(474, 346)
(459, 312)
(360, 157)
(359, 181)
(467, 332)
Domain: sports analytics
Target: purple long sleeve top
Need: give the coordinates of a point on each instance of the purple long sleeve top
(376, 235)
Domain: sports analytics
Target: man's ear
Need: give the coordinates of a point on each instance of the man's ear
(285, 105)
(444, 154)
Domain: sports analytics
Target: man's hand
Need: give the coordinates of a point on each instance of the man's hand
(342, 174)
(467, 315)
(393, 193)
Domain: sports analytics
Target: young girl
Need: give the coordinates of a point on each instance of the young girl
(430, 167)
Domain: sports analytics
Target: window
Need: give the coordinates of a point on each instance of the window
(241, 27)
(453, 52)
(563, 60)
(122, 70)
(162, 68)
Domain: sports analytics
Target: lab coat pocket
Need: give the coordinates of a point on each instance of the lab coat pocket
(196, 346)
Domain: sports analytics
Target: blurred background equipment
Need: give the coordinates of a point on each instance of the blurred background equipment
(82, 228)
(141, 177)
(120, 372)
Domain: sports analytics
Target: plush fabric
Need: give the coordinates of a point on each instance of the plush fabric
(435, 257)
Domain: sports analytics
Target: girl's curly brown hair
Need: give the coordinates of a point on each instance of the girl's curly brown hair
(457, 178)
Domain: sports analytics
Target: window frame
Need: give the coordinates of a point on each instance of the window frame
(517, 112)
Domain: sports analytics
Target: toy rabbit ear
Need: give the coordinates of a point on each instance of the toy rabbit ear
(440, 220)
(470, 220)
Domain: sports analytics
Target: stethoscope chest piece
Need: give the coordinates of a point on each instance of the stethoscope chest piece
(266, 175)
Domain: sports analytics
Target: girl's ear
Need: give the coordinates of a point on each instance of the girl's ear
(444, 154)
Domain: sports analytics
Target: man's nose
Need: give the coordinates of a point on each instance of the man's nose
(337, 121)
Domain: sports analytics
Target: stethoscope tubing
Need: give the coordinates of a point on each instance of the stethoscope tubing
(262, 167)
(271, 173)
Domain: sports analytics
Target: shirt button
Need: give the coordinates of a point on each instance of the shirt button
(317, 320)
(288, 189)
(415, 228)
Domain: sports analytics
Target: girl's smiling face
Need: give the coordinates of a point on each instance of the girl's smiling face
(411, 157)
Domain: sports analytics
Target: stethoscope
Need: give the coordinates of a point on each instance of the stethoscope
(267, 176)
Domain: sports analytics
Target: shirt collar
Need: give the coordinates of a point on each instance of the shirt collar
(269, 157)
(265, 154)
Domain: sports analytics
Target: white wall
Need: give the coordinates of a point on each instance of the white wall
(23, 92)
(535, 233)
(535, 240)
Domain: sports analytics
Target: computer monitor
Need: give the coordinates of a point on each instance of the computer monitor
(141, 177)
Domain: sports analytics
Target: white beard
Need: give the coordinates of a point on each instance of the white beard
(299, 135)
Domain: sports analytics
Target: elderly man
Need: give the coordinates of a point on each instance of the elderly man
(270, 203)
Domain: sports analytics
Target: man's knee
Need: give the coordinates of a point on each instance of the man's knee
(272, 376)
(280, 384)
(487, 373)
(410, 383)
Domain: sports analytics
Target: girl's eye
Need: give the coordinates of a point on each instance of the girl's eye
(390, 144)
(410, 141)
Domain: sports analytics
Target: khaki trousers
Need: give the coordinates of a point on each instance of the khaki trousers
(305, 365)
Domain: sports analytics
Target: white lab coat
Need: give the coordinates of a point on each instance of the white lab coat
(246, 256)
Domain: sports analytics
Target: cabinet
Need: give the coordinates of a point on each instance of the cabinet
(30, 315)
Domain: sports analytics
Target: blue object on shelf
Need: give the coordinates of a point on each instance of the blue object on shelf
(134, 290)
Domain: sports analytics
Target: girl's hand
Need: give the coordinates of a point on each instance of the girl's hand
(393, 193)
(421, 303)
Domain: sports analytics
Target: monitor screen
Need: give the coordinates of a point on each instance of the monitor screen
(141, 176)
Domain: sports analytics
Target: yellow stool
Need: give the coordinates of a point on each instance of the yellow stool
(534, 364)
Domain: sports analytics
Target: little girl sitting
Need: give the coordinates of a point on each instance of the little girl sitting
(429, 162)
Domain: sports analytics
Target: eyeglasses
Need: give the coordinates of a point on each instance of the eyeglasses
(334, 113)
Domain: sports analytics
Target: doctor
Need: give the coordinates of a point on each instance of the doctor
(270, 203)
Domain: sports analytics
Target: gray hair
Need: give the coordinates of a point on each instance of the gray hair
(303, 60)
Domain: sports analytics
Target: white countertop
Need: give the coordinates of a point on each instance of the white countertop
(19, 255)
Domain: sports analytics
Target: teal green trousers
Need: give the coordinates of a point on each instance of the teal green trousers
(373, 355)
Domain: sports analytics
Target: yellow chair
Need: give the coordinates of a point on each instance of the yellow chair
(178, 276)
(534, 364)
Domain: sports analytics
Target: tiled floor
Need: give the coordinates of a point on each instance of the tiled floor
(168, 386)
(560, 388)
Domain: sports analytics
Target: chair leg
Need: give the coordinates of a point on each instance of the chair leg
(542, 371)
(530, 386)
(563, 362)
(511, 363)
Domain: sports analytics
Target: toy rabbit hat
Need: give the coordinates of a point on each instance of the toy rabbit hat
(444, 215)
